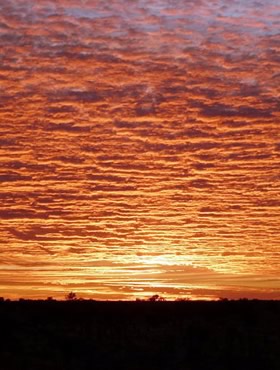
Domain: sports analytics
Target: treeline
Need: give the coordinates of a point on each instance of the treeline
(186, 335)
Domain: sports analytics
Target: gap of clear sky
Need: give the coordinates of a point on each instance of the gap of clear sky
(140, 148)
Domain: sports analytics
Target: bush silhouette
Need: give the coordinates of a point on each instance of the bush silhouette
(71, 296)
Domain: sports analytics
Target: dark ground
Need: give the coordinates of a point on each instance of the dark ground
(81, 335)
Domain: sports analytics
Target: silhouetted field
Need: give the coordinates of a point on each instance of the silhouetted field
(84, 335)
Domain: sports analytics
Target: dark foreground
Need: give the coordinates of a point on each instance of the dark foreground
(84, 335)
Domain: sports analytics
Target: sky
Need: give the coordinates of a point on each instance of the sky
(140, 149)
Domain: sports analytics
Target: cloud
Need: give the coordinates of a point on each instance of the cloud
(146, 127)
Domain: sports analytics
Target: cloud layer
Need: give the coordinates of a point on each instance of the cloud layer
(140, 148)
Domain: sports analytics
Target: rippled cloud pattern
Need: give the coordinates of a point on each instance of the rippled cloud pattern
(140, 148)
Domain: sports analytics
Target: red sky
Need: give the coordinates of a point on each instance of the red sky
(140, 148)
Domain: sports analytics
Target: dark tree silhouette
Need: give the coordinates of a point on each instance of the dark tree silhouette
(156, 298)
(71, 296)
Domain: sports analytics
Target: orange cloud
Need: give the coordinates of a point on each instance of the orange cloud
(132, 130)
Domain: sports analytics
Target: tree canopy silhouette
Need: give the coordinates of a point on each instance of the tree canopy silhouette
(71, 296)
